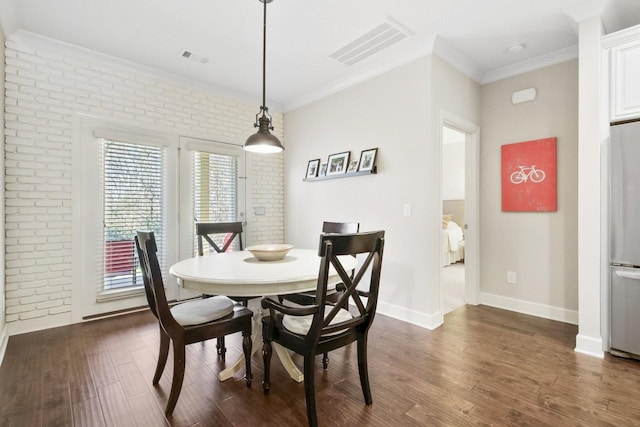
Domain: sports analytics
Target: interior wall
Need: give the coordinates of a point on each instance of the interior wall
(453, 162)
(394, 112)
(47, 85)
(540, 247)
(3, 329)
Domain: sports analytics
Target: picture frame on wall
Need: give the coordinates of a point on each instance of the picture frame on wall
(368, 159)
(323, 170)
(353, 166)
(337, 163)
(312, 168)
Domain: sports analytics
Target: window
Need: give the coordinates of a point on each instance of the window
(128, 178)
(132, 192)
(215, 192)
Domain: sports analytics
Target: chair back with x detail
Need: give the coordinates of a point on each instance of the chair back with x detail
(188, 322)
(340, 227)
(204, 230)
(323, 326)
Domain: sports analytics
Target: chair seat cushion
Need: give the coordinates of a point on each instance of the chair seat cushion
(300, 324)
(202, 311)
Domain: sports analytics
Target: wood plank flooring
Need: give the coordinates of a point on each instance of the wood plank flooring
(484, 366)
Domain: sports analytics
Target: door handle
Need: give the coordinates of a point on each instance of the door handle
(627, 274)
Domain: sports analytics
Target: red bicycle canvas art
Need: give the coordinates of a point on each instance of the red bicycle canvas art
(529, 176)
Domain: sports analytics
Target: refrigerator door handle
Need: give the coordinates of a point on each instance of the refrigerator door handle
(628, 274)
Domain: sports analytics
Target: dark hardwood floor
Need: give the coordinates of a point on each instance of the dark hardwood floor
(484, 366)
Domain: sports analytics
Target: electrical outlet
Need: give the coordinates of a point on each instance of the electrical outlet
(511, 277)
(406, 209)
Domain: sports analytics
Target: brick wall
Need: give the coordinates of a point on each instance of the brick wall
(46, 84)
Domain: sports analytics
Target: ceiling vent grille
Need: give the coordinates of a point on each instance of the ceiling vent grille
(379, 38)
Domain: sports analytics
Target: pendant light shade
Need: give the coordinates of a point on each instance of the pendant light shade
(263, 141)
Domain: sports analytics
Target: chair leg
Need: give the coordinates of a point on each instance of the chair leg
(221, 348)
(162, 356)
(309, 389)
(246, 348)
(325, 361)
(178, 375)
(266, 358)
(363, 369)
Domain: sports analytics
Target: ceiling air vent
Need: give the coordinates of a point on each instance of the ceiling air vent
(379, 38)
(193, 57)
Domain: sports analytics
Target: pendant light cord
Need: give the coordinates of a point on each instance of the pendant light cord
(264, 56)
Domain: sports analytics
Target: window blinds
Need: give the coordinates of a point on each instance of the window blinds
(132, 181)
(215, 191)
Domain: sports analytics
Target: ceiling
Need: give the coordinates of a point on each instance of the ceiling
(473, 35)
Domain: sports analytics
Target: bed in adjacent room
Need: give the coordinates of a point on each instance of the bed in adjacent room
(452, 240)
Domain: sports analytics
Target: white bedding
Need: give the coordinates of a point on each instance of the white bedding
(452, 244)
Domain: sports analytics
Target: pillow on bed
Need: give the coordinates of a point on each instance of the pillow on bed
(445, 220)
(452, 225)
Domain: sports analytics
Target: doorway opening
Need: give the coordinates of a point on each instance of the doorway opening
(453, 220)
(459, 188)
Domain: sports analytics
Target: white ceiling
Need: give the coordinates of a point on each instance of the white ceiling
(301, 34)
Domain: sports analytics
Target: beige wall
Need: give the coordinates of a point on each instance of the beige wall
(540, 247)
(395, 112)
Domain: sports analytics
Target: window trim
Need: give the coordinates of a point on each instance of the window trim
(86, 220)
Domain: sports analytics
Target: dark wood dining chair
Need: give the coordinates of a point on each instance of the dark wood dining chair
(321, 327)
(306, 298)
(228, 232)
(189, 322)
(205, 231)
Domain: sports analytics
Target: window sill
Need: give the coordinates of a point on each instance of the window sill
(119, 294)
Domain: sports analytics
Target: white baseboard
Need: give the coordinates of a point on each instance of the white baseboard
(4, 340)
(39, 323)
(531, 308)
(589, 345)
(424, 320)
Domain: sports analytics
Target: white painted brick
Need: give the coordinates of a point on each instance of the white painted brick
(20, 308)
(33, 299)
(33, 314)
(19, 293)
(61, 309)
(43, 89)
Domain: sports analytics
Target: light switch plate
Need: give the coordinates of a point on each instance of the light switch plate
(406, 209)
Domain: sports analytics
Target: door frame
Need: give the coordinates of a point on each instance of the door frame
(471, 203)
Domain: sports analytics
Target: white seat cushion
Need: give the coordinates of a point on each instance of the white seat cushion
(202, 311)
(300, 324)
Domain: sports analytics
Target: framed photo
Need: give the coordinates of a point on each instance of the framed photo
(312, 168)
(353, 166)
(368, 159)
(323, 170)
(338, 163)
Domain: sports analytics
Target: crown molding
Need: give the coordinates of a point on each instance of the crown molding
(532, 64)
(457, 60)
(37, 41)
(621, 37)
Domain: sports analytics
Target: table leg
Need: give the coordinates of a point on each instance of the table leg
(287, 362)
(256, 343)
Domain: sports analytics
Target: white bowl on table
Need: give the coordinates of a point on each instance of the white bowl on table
(270, 252)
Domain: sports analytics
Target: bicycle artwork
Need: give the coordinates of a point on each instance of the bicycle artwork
(527, 173)
(529, 176)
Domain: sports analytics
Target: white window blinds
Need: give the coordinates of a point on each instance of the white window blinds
(215, 191)
(132, 181)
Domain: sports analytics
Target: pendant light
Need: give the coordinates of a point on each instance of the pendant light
(262, 141)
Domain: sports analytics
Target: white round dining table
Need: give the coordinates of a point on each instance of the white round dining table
(240, 274)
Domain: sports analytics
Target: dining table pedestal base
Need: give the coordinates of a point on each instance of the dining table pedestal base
(256, 343)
